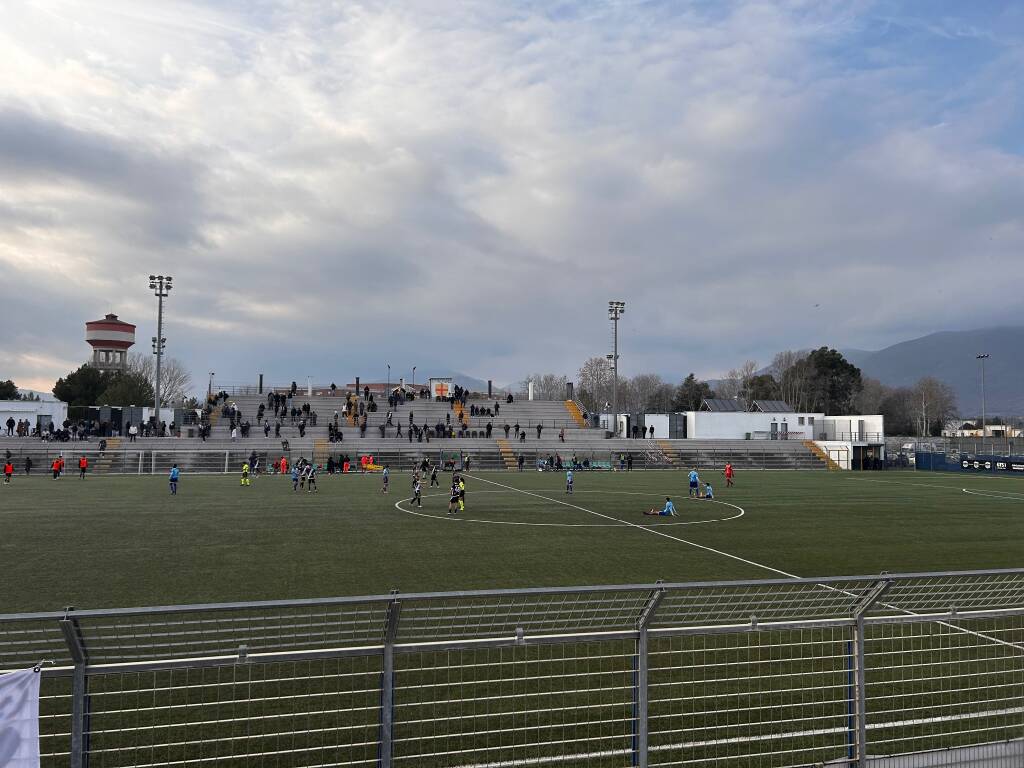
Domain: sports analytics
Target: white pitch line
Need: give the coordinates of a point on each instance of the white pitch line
(754, 563)
(994, 495)
(645, 528)
(454, 519)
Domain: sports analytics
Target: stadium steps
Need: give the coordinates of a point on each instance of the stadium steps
(105, 462)
(577, 415)
(670, 452)
(818, 451)
(507, 455)
(321, 450)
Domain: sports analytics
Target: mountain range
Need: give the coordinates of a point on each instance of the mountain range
(950, 356)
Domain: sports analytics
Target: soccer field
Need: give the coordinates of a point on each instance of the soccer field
(124, 541)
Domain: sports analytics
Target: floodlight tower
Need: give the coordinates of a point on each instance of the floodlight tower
(161, 286)
(982, 357)
(615, 311)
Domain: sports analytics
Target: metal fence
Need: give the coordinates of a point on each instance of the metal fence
(902, 670)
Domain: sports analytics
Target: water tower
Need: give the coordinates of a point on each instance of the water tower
(110, 340)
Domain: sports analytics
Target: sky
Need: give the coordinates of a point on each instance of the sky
(463, 185)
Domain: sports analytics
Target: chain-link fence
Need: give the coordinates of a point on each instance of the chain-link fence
(902, 670)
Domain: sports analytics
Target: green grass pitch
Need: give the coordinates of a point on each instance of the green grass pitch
(124, 541)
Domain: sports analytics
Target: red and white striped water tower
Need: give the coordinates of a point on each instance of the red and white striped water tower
(110, 340)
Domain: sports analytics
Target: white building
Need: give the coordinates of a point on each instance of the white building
(40, 413)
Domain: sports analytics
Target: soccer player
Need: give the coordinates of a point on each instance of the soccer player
(56, 468)
(172, 479)
(295, 478)
(694, 484)
(311, 479)
(568, 482)
(245, 474)
(728, 474)
(417, 491)
(386, 477)
(83, 467)
(8, 471)
(453, 502)
(708, 492)
(462, 494)
(433, 477)
(668, 511)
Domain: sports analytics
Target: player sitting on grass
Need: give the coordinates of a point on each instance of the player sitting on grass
(668, 511)
(708, 493)
(694, 484)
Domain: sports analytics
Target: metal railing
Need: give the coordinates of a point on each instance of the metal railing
(860, 670)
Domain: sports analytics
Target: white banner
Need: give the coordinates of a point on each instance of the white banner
(19, 719)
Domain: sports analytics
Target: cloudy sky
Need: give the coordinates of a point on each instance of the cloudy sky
(464, 184)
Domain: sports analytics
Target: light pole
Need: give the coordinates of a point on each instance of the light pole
(389, 379)
(414, 377)
(209, 387)
(161, 286)
(982, 357)
(615, 311)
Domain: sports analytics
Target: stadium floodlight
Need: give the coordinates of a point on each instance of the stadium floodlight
(982, 357)
(161, 287)
(209, 387)
(615, 311)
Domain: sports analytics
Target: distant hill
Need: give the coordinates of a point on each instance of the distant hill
(950, 357)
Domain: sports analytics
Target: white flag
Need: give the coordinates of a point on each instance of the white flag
(19, 719)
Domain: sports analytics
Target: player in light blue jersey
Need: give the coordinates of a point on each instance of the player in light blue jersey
(568, 482)
(668, 511)
(172, 479)
(708, 492)
(694, 484)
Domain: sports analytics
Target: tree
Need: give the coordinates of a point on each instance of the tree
(791, 376)
(175, 380)
(127, 388)
(897, 406)
(546, 386)
(871, 395)
(761, 387)
(9, 391)
(645, 388)
(935, 404)
(83, 386)
(833, 383)
(690, 393)
(595, 383)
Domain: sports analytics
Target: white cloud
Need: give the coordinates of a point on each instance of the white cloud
(466, 184)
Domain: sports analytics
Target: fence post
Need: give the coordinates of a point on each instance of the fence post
(640, 690)
(79, 692)
(860, 703)
(387, 683)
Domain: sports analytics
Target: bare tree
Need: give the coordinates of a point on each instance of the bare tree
(870, 398)
(595, 383)
(175, 380)
(788, 370)
(645, 386)
(546, 386)
(935, 403)
(736, 383)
